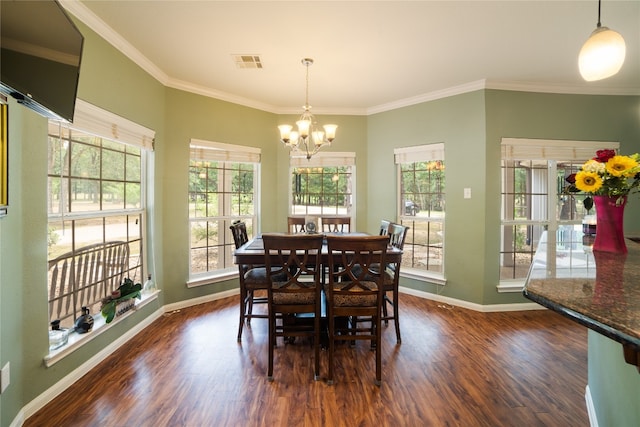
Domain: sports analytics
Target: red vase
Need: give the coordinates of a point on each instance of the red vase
(609, 224)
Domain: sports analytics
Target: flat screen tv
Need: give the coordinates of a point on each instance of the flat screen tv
(41, 49)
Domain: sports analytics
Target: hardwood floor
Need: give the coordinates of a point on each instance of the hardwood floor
(455, 367)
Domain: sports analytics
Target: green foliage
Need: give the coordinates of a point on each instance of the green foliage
(52, 237)
(128, 290)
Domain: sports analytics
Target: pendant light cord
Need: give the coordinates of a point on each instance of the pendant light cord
(306, 103)
(599, 24)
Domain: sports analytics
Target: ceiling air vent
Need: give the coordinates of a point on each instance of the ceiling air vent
(247, 61)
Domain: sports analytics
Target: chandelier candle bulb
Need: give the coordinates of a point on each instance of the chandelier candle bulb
(330, 130)
(303, 127)
(285, 132)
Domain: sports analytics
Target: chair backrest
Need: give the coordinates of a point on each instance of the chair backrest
(354, 264)
(239, 231)
(397, 234)
(384, 227)
(336, 224)
(296, 224)
(293, 263)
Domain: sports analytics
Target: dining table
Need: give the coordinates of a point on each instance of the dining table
(252, 252)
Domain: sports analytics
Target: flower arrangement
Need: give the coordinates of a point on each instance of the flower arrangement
(607, 174)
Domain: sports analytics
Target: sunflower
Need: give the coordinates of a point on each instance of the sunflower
(621, 166)
(589, 182)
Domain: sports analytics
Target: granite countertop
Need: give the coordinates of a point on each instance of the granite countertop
(598, 290)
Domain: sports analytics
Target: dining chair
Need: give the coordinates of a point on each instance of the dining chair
(384, 227)
(294, 288)
(252, 278)
(296, 224)
(397, 234)
(335, 224)
(355, 293)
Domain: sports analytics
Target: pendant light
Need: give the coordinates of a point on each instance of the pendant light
(603, 53)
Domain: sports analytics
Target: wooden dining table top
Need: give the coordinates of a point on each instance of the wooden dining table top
(252, 252)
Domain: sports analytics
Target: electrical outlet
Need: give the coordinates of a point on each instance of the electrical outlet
(5, 378)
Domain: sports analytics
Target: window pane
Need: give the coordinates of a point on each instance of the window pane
(112, 195)
(132, 195)
(516, 257)
(113, 165)
(85, 161)
(133, 168)
(422, 208)
(55, 193)
(322, 191)
(84, 195)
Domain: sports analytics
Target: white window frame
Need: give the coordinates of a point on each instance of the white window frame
(94, 120)
(413, 154)
(550, 151)
(325, 159)
(221, 152)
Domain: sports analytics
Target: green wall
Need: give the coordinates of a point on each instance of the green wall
(614, 385)
(471, 126)
(458, 122)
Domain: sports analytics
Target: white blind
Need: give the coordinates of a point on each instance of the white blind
(219, 152)
(96, 121)
(419, 153)
(545, 149)
(322, 158)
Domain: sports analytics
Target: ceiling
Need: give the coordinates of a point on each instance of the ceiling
(370, 56)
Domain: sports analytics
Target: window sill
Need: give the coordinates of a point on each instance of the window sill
(99, 326)
(429, 276)
(510, 286)
(210, 278)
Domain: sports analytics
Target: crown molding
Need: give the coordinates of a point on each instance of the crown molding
(560, 89)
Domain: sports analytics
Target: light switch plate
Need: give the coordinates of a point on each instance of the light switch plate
(467, 193)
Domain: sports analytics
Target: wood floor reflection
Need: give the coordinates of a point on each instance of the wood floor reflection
(455, 367)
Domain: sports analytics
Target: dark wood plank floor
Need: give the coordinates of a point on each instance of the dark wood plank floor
(455, 367)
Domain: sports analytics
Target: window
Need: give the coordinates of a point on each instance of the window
(223, 187)
(96, 194)
(323, 185)
(533, 201)
(421, 206)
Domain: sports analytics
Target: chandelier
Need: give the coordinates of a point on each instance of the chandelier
(603, 53)
(308, 138)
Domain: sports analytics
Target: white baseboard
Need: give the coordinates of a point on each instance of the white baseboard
(200, 300)
(591, 410)
(471, 305)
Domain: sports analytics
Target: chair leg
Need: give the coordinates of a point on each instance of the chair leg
(243, 302)
(331, 349)
(271, 345)
(385, 314)
(249, 305)
(378, 380)
(316, 345)
(396, 315)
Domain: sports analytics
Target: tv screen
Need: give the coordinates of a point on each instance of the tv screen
(40, 56)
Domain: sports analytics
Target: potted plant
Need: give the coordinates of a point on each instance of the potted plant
(125, 292)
